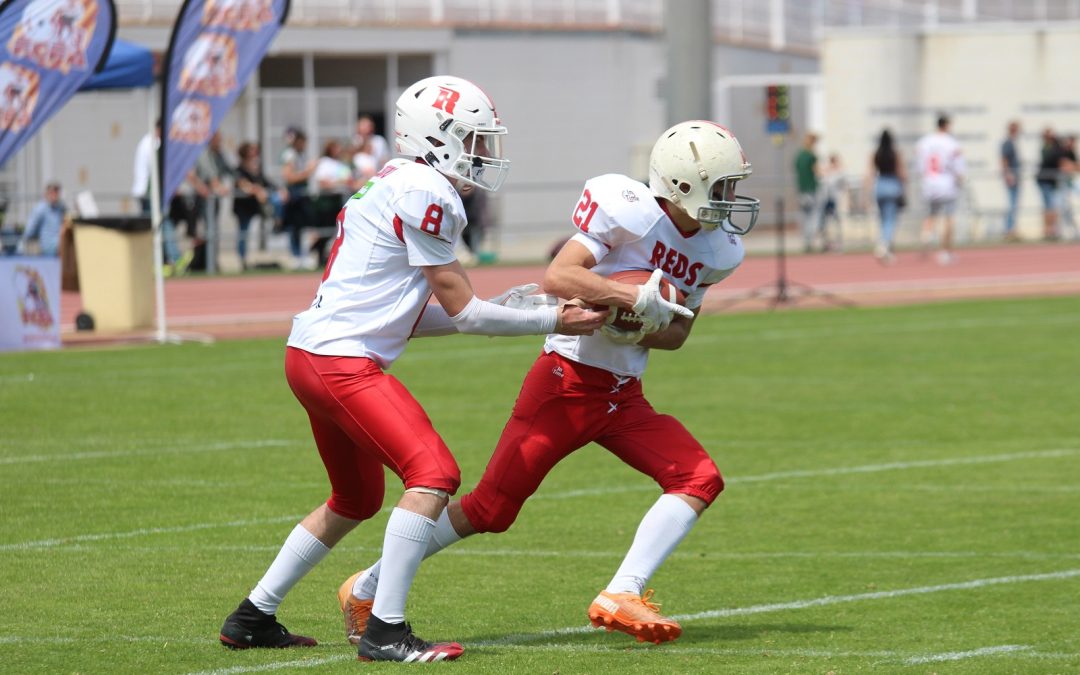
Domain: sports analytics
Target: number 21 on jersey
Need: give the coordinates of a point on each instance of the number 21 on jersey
(584, 211)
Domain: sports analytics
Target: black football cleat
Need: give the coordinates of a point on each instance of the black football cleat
(248, 628)
(395, 642)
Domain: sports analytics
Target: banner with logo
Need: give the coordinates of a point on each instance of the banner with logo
(216, 45)
(48, 48)
(29, 303)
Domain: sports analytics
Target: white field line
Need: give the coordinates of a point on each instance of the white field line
(870, 468)
(111, 536)
(515, 641)
(887, 656)
(280, 665)
(836, 471)
(109, 454)
(917, 464)
(814, 602)
(471, 552)
(959, 656)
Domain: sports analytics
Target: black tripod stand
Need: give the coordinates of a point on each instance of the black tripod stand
(784, 291)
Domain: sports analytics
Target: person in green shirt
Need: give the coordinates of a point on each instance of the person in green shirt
(806, 179)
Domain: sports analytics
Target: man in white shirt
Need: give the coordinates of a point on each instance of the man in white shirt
(686, 226)
(145, 156)
(941, 166)
(394, 249)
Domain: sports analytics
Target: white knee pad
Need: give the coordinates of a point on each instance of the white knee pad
(443, 494)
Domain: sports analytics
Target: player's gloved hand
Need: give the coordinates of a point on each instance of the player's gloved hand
(623, 337)
(522, 297)
(655, 311)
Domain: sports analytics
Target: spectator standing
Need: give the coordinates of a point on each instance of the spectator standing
(186, 206)
(941, 166)
(806, 179)
(145, 156)
(887, 169)
(46, 222)
(365, 133)
(299, 210)
(255, 196)
(334, 185)
(214, 170)
(1010, 173)
(833, 184)
(1051, 158)
(1066, 171)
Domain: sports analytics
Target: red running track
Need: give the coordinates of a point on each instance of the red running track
(263, 305)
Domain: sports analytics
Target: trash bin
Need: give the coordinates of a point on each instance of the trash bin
(116, 271)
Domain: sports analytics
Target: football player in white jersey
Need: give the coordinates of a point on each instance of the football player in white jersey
(941, 168)
(394, 249)
(686, 226)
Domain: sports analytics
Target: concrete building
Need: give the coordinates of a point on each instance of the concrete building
(582, 86)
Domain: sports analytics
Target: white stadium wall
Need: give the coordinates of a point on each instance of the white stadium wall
(982, 76)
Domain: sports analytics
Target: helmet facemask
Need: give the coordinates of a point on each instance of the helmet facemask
(724, 203)
(480, 161)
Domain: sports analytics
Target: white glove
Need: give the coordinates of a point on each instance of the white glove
(656, 311)
(622, 337)
(521, 297)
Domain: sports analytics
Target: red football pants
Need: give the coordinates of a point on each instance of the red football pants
(362, 420)
(564, 405)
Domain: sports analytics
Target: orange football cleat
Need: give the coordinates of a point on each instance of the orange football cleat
(634, 615)
(355, 611)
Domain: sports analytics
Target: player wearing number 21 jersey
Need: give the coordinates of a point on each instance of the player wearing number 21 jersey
(686, 226)
(394, 250)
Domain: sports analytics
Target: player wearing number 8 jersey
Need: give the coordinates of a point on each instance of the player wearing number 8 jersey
(394, 249)
(685, 225)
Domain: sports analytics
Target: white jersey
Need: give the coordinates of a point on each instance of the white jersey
(373, 290)
(623, 225)
(941, 165)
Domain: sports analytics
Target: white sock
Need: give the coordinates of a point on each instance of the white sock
(660, 531)
(444, 534)
(407, 536)
(301, 552)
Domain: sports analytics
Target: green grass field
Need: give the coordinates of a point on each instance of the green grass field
(903, 496)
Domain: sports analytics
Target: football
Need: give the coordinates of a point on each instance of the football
(625, 319)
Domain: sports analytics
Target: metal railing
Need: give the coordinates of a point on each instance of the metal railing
(779, 24)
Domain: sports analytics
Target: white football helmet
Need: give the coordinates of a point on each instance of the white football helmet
(696, 165)
(452, 125)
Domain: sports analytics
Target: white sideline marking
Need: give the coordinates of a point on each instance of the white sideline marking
(471, 552)
(104, 536)
(836, 471)
(22, 377)
(20, 640)
(958, 656)
(280, 665)
(869, 468)
(917, 464)
(878, 595)
(513, 641)
(814, 602)
(210, 447)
